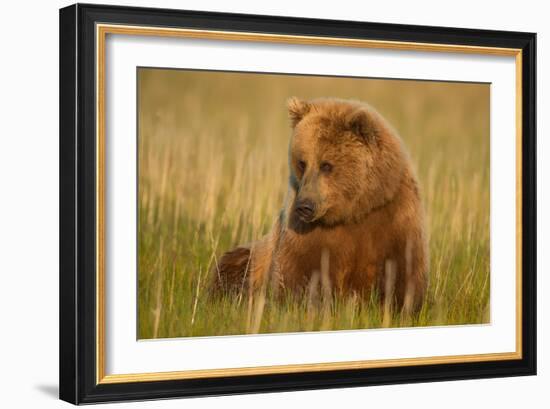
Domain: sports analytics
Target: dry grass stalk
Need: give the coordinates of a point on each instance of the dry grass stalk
(197, 294)
(312, 297)
(410, 288)
(390, 272)
(326, 287)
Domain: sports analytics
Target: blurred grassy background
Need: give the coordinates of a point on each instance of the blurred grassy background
(213, 174)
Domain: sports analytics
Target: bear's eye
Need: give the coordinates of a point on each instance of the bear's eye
(301, 166)
(326, 167)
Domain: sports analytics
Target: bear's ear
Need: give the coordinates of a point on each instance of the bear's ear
(297, 109)
(360, 123)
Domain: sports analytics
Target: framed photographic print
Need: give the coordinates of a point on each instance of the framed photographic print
(258, 203)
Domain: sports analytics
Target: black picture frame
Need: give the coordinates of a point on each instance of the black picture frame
(78, 363)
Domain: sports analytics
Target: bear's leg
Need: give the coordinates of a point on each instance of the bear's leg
(230, 274)
(244, 269)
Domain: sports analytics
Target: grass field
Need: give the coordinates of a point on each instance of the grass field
(213, 174)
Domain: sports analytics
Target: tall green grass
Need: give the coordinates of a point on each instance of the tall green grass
(213, 174)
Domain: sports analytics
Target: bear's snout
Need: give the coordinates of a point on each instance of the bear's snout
(305, 209)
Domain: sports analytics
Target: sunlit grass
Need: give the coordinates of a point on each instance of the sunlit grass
(213, 174)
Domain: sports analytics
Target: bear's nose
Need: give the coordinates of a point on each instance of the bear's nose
(305, 209)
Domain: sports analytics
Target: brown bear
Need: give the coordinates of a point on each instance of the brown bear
(352, 211)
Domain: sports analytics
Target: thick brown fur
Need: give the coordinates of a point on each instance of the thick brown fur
(367, 220)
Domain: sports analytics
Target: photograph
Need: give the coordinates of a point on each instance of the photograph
(285, 203)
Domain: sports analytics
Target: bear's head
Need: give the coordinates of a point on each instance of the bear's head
(345, 161)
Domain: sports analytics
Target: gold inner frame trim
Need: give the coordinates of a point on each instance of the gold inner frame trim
(101, 33)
